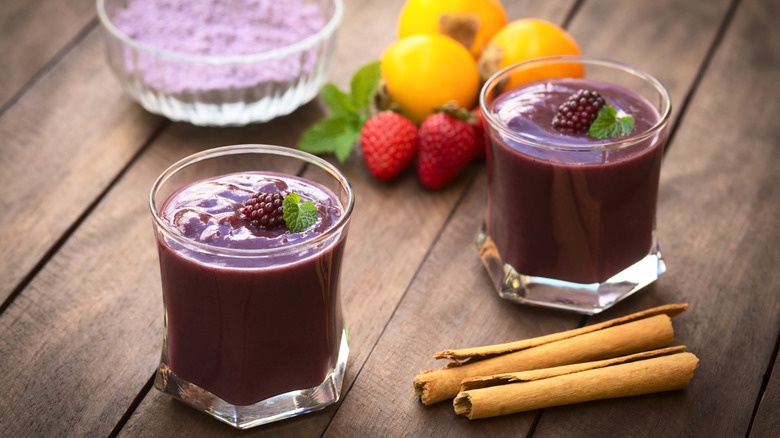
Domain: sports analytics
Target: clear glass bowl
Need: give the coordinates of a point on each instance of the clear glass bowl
(222, 90)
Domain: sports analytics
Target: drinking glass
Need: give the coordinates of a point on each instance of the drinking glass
(570, 222)
(252, 334)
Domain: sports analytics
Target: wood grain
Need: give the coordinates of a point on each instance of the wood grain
(62, 145)
(451, 302)
(648, 35)
(32, 32)
(80, 341)
(382, 217)
(720, 175)
(767, 422)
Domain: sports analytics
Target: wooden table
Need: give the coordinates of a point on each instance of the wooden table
(81, 310)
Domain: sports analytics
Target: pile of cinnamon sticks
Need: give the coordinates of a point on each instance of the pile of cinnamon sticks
(617, 358)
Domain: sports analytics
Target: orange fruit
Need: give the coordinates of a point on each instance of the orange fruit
(422, 72)
(525, 39)
(470, 22)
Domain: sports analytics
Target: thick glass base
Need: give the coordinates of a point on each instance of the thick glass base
(256, 108)
(276, 408)
(577, 297)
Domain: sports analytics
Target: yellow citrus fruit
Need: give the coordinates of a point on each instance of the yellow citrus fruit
(422, 72)
(525, 39)
(470, 22)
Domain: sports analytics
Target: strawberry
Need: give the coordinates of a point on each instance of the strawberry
(447, 146)
(479, 130)
(389, 143)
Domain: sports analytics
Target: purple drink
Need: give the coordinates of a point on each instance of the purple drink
(585, 216)
(568, 214)
(254, 328)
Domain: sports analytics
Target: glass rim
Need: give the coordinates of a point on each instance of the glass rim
(296, 47)
(304, 157)
(603, 145)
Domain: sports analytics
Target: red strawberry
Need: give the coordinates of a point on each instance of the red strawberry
(447, 146)
(389, 143)
(479, 130)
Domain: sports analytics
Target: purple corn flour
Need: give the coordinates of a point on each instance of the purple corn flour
(218, 28)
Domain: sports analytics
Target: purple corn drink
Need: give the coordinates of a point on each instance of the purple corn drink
(247, 327)
(567, 206)
(225, 28)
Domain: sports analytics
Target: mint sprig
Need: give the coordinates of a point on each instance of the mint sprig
(298, 217)
(608, 125)
(338, 132)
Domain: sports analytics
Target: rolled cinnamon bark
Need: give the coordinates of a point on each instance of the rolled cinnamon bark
(644, 373)
(499, 379)
(670, 310)
(622, 336)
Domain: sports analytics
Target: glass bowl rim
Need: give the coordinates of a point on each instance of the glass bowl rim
(603, 145)
(326, 32)
(304, 157)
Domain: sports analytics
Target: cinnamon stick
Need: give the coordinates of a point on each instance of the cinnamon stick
(497, 379)
(671, 310)
(644, 373)
(642, 331)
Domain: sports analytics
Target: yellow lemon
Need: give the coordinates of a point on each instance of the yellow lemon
(470, 22)
(422, 72)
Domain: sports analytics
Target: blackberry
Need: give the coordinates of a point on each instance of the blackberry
(578, 112)
(264, 210)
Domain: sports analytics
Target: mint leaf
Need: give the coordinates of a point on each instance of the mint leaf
(365, 83)
(332, 135)
(345, 141)
(298, 217)
(319, 137)
(607, 125)
(339, 102)
(337, 133)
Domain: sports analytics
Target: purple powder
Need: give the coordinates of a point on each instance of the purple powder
(218, 28)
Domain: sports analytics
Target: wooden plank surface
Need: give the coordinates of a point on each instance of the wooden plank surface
(767, 420)
(368, 300)
(648, 35)
(79, 343)
(32, 32)
(440, 309)
(721, 175)
(63, 143)
(748, 67)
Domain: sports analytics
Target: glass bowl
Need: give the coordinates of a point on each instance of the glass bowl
(194, 77)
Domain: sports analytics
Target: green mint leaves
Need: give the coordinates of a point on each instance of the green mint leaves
(298, 217)
(608, 125)
(338, 132)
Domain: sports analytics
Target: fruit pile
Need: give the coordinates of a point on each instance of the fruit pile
(420, 99)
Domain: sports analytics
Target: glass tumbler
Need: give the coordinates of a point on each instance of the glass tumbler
(570, 222)
(254, 330)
